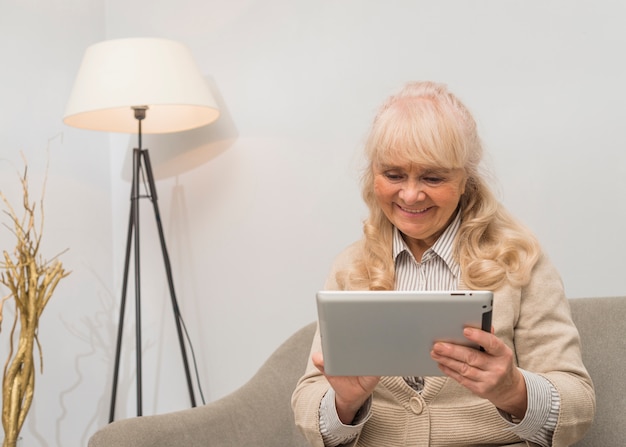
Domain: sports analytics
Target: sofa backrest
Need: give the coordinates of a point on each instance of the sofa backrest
(602, 326)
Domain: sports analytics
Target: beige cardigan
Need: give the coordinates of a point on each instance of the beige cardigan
(534, 321)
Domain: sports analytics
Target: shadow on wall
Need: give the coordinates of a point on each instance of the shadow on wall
(176, 153)
(98, 332)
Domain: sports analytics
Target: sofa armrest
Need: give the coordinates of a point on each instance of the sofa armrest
(259, 413)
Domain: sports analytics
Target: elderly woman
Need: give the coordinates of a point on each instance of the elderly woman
(434, 224)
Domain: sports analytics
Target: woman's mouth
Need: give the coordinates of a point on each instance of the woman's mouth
(414, 211)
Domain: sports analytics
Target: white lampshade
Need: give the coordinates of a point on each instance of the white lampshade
(116, 75)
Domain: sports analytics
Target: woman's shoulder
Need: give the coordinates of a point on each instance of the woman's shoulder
(343, 263)
(545, 270)
(350, 253)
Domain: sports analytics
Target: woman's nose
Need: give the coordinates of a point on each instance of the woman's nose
(412, 192)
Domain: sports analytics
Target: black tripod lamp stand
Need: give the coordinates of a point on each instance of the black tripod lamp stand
(142, 165)
(142, 85)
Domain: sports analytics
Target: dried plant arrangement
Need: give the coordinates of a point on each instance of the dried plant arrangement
(30, 281)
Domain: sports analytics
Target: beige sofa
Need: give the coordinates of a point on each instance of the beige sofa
(259, 413)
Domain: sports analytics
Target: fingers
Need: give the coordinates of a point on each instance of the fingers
(487, 340)
(466, 355)
(459, 361)
(488, 374)
(464, 363)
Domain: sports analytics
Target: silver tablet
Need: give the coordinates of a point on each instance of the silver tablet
(391, 333)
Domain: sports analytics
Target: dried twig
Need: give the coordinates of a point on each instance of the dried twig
(31, 282)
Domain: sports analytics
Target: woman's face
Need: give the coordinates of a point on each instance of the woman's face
(418, 200)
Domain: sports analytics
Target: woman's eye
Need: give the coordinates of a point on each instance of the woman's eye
(434, 180)
(393, 176)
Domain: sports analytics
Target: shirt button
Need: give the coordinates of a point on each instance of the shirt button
(416, 405)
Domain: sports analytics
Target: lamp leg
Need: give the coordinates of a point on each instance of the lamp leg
(133, 229)
(120, 326)
(168, 270)
(138, 344)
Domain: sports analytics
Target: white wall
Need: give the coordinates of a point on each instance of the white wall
(256, 206)
(41, 43)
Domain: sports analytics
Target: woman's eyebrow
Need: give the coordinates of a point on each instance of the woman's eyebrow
(439, 171)
(387, 167)
(423, 170)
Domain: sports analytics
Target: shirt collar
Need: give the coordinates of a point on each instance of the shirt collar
(443, 247)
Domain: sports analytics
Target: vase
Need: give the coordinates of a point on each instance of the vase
(18, 443)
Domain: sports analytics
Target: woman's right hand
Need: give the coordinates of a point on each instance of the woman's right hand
(351, 392)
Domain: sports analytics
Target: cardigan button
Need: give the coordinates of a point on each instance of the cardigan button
(416, 405)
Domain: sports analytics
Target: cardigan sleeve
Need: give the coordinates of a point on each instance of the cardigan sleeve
(307, 398)
(313, 386)
(547, 342)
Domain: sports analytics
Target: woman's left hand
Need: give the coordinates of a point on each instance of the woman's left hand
(491, 374)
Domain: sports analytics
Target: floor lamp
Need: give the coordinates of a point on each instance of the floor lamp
(141, 85)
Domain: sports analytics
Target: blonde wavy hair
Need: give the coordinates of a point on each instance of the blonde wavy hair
(427, 125)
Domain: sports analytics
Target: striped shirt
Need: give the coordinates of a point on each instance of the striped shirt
(439, 270)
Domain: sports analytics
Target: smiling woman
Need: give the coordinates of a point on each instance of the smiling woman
(434, 224)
